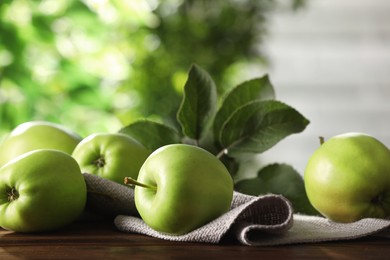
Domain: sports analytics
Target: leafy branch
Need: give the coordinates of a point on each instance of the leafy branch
(248, 121)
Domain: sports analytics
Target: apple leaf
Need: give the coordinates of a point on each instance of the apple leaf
(258, 125)
(255, 89)
(151, 134)
(198, 104)
(279, 179)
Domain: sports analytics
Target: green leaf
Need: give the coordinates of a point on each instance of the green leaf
(255, 89)
(151, 134)
(279, 179)
(258, 125)
(198, 104)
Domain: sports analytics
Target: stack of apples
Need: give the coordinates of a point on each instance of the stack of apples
(42, 187)
(178, 187)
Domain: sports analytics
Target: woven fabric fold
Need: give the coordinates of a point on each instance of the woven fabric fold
(266, 214)
(109, 198)
(252, 220)
(311, 229)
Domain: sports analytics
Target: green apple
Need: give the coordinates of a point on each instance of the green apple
(34, 135)
(41, 190)
(180, 188)
(348, 178)
(110, 155)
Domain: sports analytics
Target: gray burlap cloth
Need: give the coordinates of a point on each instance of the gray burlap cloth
(254, 221)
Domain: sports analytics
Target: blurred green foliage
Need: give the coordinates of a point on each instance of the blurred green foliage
(96, 65)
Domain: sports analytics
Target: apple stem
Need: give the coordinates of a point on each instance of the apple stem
(130, 181)
(322, 140)
(222, 153)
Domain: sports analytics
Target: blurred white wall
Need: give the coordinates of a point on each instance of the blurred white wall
(331, 61)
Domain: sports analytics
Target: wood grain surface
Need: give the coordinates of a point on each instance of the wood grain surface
(98, 239)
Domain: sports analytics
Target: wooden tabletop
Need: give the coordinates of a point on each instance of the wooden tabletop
(98, 239)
